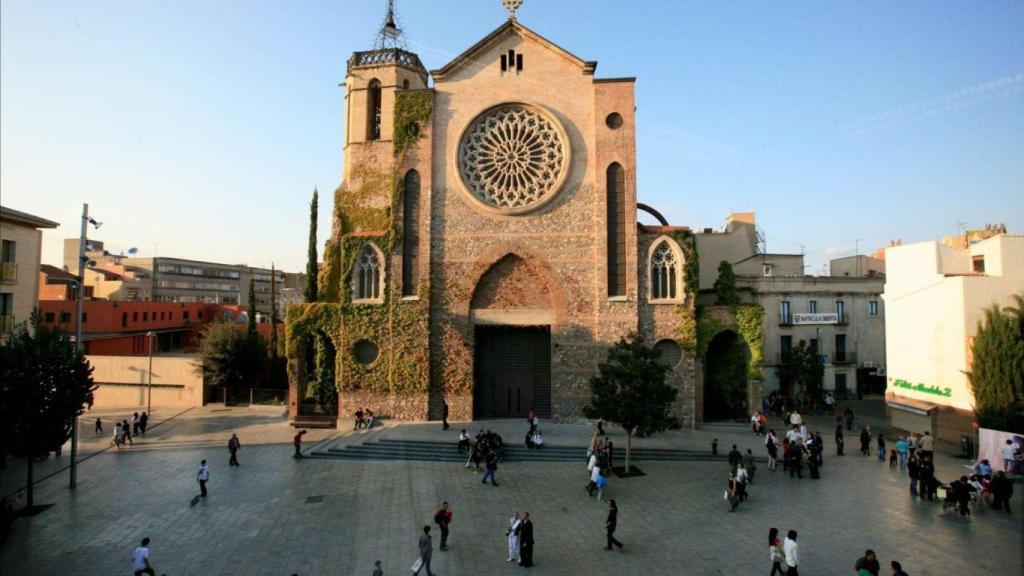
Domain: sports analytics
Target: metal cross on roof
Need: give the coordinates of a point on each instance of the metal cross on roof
(512, 6)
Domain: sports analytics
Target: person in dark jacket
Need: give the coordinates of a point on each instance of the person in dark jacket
(492, 467)
(926, 473)
(796, 460)
(735, 457)
(611, 524)
(839, 440)
(865, 441)
(915, 474)
(897, 569)
(961, 494)
(1002, 490)
(526, 541)
(881, 447)
(869, 562)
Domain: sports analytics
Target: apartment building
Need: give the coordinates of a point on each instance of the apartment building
(21, 236)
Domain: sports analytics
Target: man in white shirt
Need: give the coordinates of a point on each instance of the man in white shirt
(203, 476)
(1009, 455)
(140, 560)
(791, 551)
(595, 473)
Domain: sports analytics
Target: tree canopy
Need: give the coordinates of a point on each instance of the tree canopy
(997, 373)
(630, 390)
(801, 371)
(45, 383)
(231, 357)
(312, 269)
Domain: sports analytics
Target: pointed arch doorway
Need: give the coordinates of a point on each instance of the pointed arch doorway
(512, 313)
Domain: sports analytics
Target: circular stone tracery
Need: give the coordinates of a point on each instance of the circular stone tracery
(513, 158)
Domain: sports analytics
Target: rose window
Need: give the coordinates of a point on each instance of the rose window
(513, 158)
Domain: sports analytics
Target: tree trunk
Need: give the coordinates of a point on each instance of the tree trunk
(629, 448)
(31, 469)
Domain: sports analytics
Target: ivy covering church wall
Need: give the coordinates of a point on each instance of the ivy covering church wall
(365, 211)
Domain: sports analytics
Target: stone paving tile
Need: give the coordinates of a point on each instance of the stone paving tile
(673, 521)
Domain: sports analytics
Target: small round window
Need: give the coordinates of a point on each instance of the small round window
(614, 120)
(669, 353)
(366, 352)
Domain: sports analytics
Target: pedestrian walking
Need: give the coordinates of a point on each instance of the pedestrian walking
(602, 484)
(203, 477)
(610, 524)
(881, 447)
(526, 541)
(714, 447)
(897, 569)
(127, 432)
(914, 473)
(1002, 491)
(796, 460)
(377, 569)
(118, 435)
(735, 458)
(732, 492)
(444, 417)
(297, 441)
(848, 416)
(99, 426)
(771, 443)
(135, 424)
(792, 553)
(865, 441)
(512, 533)
(233, 445)
(840, 441)
(443, 517)
(426, 552)
(750, 465)
(775, 552)
(492, 467)
(608, 452)
(143, 423)
(140, 560)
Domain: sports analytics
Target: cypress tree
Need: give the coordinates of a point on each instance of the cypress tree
(251, 327)
(997, 372)
(725, 285)
(273, 313)
(311, 259)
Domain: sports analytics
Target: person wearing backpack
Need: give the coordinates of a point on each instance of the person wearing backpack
(443, 517)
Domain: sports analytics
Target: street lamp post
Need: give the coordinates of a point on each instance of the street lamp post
(83, 241)
(149, 391)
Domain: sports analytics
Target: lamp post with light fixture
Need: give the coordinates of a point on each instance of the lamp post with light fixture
(82, 258)
(149, 392)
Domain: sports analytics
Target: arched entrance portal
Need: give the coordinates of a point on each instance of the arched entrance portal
(511, 312)
(725, 377)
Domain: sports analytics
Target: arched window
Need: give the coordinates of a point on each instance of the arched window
(373, 110)
(616, 203)
(366, 277)
(664, 276)
(411, 233)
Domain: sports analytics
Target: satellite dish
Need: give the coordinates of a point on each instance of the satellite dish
(133, 250)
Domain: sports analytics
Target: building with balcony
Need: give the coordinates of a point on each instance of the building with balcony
(840, 316)
(21, 236)
(935, 295)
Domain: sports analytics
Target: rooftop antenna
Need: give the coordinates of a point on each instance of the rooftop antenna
(390, 35)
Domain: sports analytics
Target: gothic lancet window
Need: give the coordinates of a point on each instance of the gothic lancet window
(410, 233)
(373, 110)
(616, 221)
(366, 275)
(664, 272)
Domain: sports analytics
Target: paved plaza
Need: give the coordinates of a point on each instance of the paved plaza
(277, 516)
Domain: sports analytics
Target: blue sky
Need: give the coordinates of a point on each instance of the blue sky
(199, 129)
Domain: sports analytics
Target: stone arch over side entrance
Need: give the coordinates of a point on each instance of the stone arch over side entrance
(725, 377)
(513, 309)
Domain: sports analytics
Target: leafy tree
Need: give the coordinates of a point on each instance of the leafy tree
(311, 259)
(273, 313)
(45, 383)
(231, 357)
(251, 326)
(725, 285)
(630, 391)
(801, 371)
(997, 373)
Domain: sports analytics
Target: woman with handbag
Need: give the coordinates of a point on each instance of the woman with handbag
(512, 532)
(775, 552)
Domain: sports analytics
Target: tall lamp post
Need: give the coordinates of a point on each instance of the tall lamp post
(149, 392)
(83, 242)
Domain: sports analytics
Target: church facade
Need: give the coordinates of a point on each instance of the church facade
(485, 249)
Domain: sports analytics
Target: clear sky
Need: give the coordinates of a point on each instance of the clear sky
(198, 129)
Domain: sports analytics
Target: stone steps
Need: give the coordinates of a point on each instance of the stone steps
(433, 451)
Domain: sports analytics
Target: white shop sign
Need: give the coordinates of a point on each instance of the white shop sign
(827, 318)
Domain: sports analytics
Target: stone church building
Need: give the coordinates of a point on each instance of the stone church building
(485, 249)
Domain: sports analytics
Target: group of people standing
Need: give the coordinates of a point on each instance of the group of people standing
(519, 534)
(599, 462)
(487, 448)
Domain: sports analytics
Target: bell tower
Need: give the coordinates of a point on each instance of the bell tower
(374, 78)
